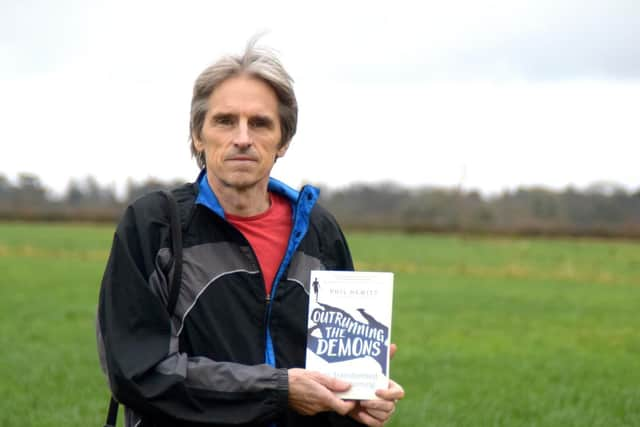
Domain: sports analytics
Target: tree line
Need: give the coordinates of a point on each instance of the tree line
(599, 210)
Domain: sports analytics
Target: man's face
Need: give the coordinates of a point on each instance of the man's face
(241, 133)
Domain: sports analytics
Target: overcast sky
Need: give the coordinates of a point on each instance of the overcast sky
(487, 95)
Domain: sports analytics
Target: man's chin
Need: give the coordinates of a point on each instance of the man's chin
(241, 184)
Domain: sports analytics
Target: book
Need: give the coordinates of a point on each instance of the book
(349, 327)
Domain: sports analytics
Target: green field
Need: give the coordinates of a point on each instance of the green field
(491, 332)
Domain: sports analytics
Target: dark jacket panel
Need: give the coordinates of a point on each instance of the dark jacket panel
(205, 364)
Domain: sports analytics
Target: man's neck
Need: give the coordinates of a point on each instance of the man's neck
(245, 202)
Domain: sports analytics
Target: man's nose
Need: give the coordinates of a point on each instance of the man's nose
(242, 138)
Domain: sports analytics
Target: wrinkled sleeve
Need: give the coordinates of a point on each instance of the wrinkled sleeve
(139, 350)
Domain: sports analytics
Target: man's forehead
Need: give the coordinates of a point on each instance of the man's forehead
(233, 109)
(244, 93)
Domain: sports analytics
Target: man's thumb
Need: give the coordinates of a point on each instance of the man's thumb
(333, 384)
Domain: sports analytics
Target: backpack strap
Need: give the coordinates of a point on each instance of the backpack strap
(112, 415)
(176, 249)
(174, 287)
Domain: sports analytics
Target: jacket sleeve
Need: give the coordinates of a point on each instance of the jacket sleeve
(139, 348)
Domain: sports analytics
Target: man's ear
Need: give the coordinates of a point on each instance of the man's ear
(282, 150)
(197, 143)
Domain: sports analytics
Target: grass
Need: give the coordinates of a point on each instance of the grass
(499, 332)
(491, 332)
(48, 294)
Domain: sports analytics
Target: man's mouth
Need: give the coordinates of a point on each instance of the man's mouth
(241, 159)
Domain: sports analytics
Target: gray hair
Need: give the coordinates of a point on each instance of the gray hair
(258, 62)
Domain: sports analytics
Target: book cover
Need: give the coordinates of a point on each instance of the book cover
(349, 326)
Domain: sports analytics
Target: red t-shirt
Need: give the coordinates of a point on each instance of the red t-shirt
(268, 233)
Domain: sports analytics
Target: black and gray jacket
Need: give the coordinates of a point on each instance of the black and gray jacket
(222, 358)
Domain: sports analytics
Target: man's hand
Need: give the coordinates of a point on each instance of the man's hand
(392, 350)
(375, 413)
(312, 392)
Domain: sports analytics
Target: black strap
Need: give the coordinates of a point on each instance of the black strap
(176, 248)
(112, 415)
(174, 287)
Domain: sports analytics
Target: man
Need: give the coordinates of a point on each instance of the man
(233, 350)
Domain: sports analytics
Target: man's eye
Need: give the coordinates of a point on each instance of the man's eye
(260, 123)
(223, 121)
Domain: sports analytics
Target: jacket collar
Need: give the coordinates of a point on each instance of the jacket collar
(208, 198)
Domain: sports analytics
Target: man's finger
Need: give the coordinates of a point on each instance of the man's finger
(381, 416)
(392, 350)
(385, 406)
(394, 392)
(363, 417)
(342, 407)
(308, 395)
(381, 410)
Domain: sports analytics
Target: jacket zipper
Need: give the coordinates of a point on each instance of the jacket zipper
(295, 236)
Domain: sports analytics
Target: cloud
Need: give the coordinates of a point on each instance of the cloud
(418, 92)
(360, 41)
(39, 36)
(495, 40)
